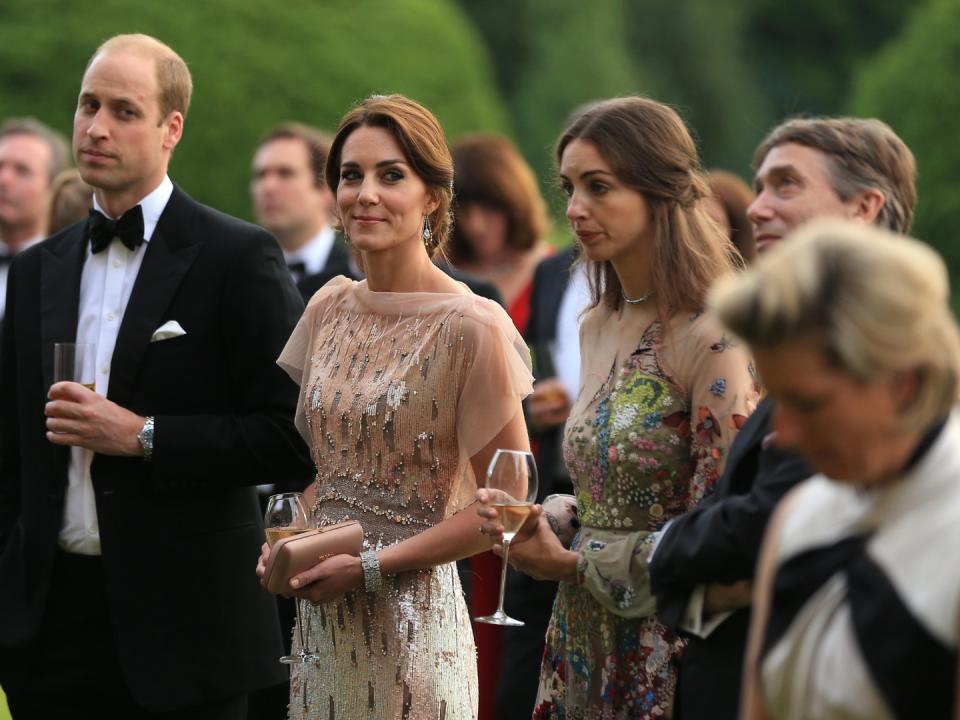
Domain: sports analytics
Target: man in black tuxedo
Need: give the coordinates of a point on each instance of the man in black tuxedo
(293, 202)
(129, 527)
(704, 561)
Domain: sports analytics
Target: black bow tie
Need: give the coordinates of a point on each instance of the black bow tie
(129, 228)
(297, 268)
(5, 259)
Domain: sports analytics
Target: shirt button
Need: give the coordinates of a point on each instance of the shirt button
(117, 263)
(104, 369)
(91, 531)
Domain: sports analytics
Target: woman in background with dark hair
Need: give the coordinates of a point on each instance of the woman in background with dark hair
(727, 204)
(500, 219)
(663, 392)
(408, 384)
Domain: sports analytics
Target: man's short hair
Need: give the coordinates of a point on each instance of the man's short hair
(174, 83)
(59, 147)
(316, 141)
(862, 154)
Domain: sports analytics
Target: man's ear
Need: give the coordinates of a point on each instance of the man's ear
(173, 130)
(867, 205)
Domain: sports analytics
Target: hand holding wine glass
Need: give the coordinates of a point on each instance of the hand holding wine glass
(286, 516)
(512, 485)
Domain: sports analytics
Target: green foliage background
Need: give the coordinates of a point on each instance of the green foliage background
(255, 64)
(912, 85)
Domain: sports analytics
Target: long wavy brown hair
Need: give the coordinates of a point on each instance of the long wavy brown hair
(650, 150)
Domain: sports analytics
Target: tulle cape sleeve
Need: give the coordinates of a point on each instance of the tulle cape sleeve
(296, 353)
(497, 376)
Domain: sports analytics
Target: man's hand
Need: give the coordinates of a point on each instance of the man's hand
(78, 416)
(548, 405)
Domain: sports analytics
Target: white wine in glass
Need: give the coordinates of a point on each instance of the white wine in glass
(512, 478)
(286, 516)
(274, 534)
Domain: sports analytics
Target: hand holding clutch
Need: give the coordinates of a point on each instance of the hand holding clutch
(293, 555)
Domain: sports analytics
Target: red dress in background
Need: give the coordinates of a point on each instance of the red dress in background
(485, 585)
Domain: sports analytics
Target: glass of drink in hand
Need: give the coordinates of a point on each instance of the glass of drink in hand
(512, 480)
(75, 362)
(286, 516)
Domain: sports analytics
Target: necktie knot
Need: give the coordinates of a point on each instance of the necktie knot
(128, 227)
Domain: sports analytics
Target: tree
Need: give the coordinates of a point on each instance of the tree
(255, 65)
(804, 58)
(911, 84)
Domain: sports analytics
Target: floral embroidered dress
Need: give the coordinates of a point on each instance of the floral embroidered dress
(645, 441)
(397, 392)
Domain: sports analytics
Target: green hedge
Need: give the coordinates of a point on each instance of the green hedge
(255, 64)
(912, 85)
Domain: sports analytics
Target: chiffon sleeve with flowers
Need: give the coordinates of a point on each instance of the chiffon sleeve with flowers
(398, 391)
(645, 442)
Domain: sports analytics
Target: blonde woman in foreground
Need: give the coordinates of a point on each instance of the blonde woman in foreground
(858, 588)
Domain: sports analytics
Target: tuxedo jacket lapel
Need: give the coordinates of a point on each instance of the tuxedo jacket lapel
(61, 265)
(169, 254)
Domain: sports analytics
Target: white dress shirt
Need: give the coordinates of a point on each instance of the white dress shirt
(105, 287)
(314, 254)
(5, 268)
(566, 348)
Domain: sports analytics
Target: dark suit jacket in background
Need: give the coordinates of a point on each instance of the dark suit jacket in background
(719, 542)
(338, 263)
(180, 535)
(550, 281)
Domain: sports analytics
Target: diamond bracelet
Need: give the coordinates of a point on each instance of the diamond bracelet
(372, 579)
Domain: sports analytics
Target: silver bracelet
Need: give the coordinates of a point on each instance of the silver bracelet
(372, 579)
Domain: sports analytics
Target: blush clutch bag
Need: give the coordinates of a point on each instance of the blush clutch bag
(292, 555)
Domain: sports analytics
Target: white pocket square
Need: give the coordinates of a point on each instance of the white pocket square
(169, 329)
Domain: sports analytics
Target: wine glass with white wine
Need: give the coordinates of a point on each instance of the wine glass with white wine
(286, 516)
(512, 480)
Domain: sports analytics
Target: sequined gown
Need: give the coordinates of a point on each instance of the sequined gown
(398, 390)
(645, 441)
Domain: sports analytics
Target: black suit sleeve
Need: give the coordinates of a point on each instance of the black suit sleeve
(9, 437)
(720, 540)
(256, 441)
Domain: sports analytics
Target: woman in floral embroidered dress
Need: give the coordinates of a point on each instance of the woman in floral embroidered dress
(663, 391)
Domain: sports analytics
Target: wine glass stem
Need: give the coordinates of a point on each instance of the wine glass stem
(503, 576)
(303, 644)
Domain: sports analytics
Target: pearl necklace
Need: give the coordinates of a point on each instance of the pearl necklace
(636, 301)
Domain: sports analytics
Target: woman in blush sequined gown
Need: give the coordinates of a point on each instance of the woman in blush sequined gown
(663, 391)
(408, 384)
